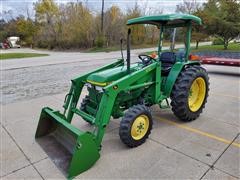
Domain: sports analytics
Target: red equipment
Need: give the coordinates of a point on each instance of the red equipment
(220, 61)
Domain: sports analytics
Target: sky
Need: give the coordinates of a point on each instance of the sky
(18, 7)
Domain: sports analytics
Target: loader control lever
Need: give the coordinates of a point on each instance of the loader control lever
(146, 59)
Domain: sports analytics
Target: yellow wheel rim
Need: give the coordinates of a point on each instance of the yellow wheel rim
(140, 127)
(197, 94)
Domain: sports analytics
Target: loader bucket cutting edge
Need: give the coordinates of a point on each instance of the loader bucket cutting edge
(73, 151)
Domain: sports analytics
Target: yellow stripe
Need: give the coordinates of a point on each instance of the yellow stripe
(199, 132)
(97, 83)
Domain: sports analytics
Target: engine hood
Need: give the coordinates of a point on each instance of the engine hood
(105, 77)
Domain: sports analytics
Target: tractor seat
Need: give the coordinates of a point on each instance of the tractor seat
(168, 59)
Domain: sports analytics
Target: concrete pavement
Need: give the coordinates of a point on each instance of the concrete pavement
(207, 148)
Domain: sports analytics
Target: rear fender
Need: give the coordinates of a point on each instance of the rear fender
(173, 75)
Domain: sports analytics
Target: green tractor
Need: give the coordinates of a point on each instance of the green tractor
(126, 91)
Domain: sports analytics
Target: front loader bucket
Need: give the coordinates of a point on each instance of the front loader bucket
(72, 150)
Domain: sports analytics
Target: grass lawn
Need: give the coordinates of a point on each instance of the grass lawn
(233, 47)
(4, 56)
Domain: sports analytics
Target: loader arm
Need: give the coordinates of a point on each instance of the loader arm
(76, 89)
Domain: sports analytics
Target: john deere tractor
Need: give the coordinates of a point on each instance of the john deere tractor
(126, 91)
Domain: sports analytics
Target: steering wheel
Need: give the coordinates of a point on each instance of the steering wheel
(146, 59)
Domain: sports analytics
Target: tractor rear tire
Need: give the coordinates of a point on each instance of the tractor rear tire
(136, 125)
(190, 92)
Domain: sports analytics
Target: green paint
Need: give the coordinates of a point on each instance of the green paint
(110, 75)
(167, 19)
(121, 90)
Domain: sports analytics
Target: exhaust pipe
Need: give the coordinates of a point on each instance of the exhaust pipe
(128, 50)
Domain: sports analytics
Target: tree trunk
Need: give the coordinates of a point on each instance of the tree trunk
(197, 42)
(225, 44)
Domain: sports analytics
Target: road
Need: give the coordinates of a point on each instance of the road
(28, 78)
(69, 57)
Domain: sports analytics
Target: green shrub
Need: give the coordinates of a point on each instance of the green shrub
(42, 44)
(218, 41)
(100, 41)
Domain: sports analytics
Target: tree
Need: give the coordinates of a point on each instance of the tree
(114, 25)
(47, 14)
(222, 19)
(46, 11)
(11, 27)
(76, 26)
(138, 31)
(188, 7)
(192, 7)
(199, 31)
(152, 31)
(27, 30)
(3, 33)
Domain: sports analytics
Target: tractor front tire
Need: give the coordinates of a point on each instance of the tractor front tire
(190, 92)
(136, 125)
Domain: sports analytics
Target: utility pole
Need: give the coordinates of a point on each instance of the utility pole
(102, 16)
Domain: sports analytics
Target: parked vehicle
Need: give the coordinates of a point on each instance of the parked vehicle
(14, 41)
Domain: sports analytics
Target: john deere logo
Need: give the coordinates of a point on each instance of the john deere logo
(115, 87)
